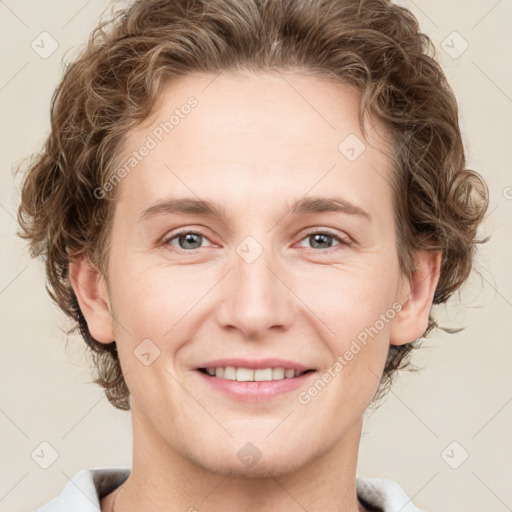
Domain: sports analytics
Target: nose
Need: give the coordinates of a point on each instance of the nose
(256, 297)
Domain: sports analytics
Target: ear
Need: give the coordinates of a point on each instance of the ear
(417, 296)
(91, 292)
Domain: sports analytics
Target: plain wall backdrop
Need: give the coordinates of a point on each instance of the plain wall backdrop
(443, 433)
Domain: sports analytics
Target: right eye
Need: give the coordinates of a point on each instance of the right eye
(187, 240)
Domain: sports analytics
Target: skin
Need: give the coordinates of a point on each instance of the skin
(253, 145)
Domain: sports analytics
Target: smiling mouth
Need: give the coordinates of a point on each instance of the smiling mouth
(249, 375)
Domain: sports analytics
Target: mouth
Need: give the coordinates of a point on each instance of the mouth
(253, 385)
(250, 379)
(241, 374)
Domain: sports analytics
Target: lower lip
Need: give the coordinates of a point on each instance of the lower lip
(255, 391)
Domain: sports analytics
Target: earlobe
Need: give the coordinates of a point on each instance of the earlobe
(92, 295)
(412, 320)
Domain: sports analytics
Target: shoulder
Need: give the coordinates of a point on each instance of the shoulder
(85, 490)
(383, 495)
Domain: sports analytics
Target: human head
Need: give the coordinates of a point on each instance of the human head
(373, 46)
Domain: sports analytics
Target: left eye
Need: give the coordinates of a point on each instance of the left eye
(320, 239)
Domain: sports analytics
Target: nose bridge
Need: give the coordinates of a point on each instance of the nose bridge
(255, 297)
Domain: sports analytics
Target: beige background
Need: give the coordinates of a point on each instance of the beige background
(464, 391)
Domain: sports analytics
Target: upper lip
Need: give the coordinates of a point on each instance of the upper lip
(255, 364)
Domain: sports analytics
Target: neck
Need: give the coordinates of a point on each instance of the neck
(166, 477)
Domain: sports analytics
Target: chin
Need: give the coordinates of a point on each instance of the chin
(263, 469)
(251, 463)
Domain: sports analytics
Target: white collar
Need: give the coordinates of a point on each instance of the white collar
(85, 490)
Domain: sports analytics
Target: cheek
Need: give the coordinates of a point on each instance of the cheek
(358, 314)
(152, 302)
(151, 316)
(348, 299)
(353, 312)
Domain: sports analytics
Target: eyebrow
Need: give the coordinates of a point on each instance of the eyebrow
(328, 204)
(305, 205)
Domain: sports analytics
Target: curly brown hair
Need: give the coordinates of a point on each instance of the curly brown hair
(111, 87)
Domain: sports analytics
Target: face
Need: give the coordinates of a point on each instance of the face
(275, 271)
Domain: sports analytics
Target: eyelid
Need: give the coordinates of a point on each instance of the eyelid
(186, 230)
(343, 239)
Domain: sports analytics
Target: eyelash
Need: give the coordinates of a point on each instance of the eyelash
(342, 241)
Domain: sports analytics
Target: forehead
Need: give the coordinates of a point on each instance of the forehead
(260, 139)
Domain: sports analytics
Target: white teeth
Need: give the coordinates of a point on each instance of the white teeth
(277, 373)
(263, 374)
(244, 374)
(229, 373)
(248, 375)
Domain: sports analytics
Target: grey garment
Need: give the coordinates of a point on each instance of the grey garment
(85, 490)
